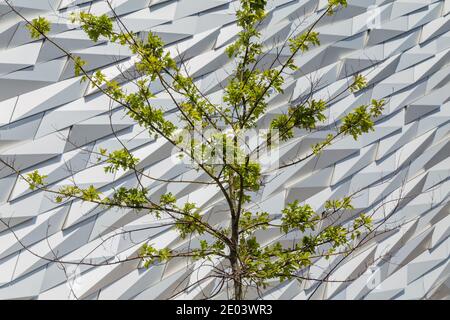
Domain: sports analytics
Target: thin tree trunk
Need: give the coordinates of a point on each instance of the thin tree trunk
(237, 280)
(234, 258)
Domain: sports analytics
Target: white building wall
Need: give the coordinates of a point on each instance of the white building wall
(51, 122)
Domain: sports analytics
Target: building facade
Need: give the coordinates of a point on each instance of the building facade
(52, 122)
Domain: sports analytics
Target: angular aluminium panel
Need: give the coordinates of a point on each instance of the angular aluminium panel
(52, 122)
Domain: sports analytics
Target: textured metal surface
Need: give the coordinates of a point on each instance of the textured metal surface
(50, 121)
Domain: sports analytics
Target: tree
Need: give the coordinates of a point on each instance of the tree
(211, 138)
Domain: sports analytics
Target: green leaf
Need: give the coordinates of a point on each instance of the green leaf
(35, 179)
(359, 83)
(120, 159)
(38, 27)
(78, 65)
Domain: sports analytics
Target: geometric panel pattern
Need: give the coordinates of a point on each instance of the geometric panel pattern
(52, 122)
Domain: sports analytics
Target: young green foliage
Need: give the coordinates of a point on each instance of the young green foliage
(94, 26)
(120, 159)
(38, 27)
(359, 83)
(35, 179)
(238, 179)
